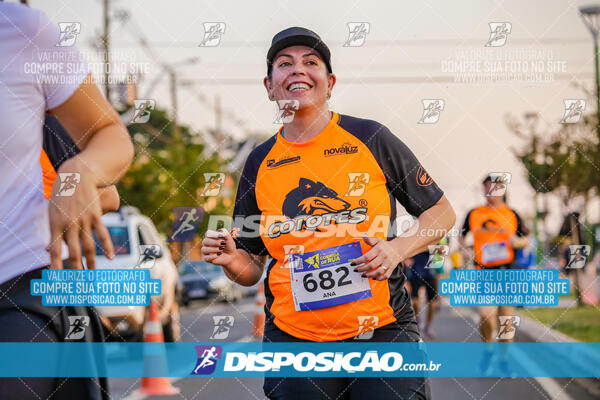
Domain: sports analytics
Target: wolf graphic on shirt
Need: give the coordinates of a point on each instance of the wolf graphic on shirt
(312, 204)
(311, 198)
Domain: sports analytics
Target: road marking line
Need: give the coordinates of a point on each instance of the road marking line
(550, 386)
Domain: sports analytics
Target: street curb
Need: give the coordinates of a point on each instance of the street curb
(542, 333)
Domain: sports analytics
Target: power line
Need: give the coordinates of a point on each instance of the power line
(379, 43)
(376, 80)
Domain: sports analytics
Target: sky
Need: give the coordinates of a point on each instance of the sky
(411, 53)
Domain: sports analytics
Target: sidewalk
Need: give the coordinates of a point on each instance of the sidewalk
(460, 324)
(539, 332)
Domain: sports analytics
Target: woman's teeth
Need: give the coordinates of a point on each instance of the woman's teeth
(298, 86)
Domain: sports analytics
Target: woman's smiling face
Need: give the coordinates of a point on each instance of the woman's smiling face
(300, 74)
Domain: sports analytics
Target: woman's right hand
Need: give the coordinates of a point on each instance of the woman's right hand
(218, 247)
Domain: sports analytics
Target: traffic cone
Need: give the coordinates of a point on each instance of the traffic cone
(259, 315)
(155, 358)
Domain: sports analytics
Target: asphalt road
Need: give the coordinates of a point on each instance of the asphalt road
(451, 324)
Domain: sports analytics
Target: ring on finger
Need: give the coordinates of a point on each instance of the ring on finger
(384, 267)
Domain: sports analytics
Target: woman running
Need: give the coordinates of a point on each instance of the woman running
(324, 188)
(41, 73)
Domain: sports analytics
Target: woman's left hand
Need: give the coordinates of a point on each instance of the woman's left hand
(379, 262)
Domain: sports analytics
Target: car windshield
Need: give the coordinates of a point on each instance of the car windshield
(119, 235)
(199, 268)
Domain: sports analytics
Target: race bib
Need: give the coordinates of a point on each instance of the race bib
(492, 252)
(324, 278)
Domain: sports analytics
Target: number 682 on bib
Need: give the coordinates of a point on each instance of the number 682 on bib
(324, 278)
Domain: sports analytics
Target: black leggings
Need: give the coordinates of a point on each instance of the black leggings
(24, 319)
(347, 388)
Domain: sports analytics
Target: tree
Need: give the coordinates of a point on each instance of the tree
(565, 162)
(168, 171)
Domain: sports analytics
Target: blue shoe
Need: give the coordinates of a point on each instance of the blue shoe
(505, 369)
(485, 365)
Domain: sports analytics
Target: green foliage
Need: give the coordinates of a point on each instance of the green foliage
(581, 323)
(564, 162)
(167, 171)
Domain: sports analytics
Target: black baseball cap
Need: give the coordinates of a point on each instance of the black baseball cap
(297, 36)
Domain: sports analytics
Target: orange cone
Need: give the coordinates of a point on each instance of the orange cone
(155, 360)
(259, 315)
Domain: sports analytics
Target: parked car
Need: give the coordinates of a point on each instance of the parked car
(202, 280)
(195, 278)
(136, 241)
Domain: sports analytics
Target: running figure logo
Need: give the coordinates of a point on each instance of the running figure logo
(432, 108)
(578, 256)
(68, 33)
(357, 33)
(573, 111)
(77, 327)
(286, 109)
(507, 327)
(68, 183)
(437, 255)
(358, 183)
(223, 324)
(366, 326)
(214, 183)
(212, 34)
(207, 359)
(142, 109)
(186, 223)
(498, 34)
(500, 181)
(148, 255)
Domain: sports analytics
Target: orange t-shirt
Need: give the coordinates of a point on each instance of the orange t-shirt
(323, 193)
(48, 174)
(492, 228)
(58, 147)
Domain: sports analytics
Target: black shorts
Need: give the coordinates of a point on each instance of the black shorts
(347, 388)
(430, 287)
(23, 318)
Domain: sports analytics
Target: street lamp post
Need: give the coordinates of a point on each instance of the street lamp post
(170, 68)
(591, 18)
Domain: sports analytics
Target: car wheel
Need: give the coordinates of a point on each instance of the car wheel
(172, 329)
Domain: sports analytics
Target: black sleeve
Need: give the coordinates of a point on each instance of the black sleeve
(58, 144)
(521, 228)
(406, 178)
(466, 227)
(246, 214)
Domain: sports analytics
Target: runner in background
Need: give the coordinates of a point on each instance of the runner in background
(35, 81)
(497, 231)
(423, 271)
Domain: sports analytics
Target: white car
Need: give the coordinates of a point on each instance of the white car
(129, 231)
